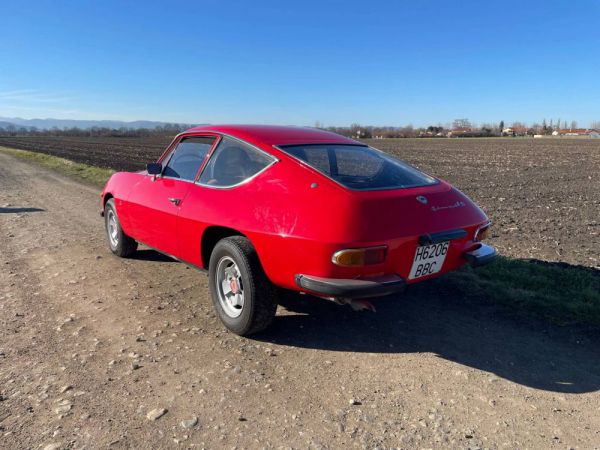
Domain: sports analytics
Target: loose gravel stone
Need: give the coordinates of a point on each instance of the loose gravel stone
(189, 423)
(55, 446)
(156, 414)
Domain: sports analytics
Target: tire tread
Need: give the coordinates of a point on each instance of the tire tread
(264, 292)
(126, 245)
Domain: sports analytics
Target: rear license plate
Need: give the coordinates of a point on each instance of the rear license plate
(429, 259)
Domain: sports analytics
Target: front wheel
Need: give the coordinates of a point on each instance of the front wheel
(120, 244)
(243, 296)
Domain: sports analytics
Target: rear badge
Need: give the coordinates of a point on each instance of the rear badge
(422, 199)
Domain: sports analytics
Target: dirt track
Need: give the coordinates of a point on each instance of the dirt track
(428, 370)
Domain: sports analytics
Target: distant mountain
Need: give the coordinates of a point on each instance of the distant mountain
(44, 124)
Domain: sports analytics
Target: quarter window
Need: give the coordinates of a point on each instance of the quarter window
(232, 163)
(186, 159)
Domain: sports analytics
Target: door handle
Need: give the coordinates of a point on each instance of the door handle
(175, 201)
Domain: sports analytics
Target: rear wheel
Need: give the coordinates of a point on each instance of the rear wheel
(243, 296)
(120, 244)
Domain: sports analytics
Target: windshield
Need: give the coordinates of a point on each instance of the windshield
(359, 167)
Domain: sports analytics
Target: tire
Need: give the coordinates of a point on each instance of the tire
(235, 264)
(120, 244)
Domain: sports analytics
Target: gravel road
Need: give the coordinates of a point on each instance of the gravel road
(99, 352)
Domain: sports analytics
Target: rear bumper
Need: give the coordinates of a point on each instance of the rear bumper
(483, 254)
(378, 286)
(351, 288)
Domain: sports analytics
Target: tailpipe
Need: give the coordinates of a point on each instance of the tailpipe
(356, 304)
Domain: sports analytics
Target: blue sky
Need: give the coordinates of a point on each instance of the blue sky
(336, 62)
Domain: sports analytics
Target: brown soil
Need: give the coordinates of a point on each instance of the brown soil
(542, 194)
(90, 344)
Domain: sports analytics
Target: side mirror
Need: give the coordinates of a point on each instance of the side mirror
(154, 168)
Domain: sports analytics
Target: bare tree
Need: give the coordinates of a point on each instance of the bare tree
(461, 123)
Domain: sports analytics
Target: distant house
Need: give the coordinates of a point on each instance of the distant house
(520, 130)
(516, 130)
(459, 131)
(579, 132)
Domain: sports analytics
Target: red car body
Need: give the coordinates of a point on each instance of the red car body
(297, 218)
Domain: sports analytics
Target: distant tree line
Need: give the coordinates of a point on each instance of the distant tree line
(459, 128)
(168, 129)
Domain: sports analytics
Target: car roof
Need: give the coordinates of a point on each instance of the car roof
(276, 134)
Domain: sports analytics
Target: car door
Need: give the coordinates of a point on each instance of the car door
(155, 201)
(218, 196)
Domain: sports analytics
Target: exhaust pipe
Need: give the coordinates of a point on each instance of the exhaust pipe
(355, 304)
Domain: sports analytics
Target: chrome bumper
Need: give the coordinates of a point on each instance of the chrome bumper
(483, 254)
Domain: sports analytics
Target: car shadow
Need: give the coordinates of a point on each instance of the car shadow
(437, 317)
(148, 254)
(19, 210)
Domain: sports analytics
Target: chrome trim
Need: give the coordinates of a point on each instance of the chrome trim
(247, 180)
(178, 179)
(481, 227)
(273, 158)
(483, 254)
(301, 161)
(168, 154)
(241, 140)
(169, 151)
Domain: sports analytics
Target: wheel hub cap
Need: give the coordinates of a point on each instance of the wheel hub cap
(230, 289)
(112, 228)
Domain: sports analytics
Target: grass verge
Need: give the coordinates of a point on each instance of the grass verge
(559, 292)
(96, 176)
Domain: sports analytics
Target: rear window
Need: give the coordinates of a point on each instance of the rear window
(359, 167)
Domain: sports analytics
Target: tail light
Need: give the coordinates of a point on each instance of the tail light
(357, 257)
(482, 232)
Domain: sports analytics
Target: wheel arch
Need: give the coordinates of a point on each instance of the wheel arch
(107, 197)
(211, 236)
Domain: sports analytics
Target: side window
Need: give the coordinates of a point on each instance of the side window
(187, 157)
(233, 162)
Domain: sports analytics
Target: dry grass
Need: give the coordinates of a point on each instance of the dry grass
(96, 176)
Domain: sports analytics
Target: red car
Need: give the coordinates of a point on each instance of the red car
(267, 207)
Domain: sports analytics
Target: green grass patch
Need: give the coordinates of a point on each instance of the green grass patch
(96, 176)
(560, 292)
